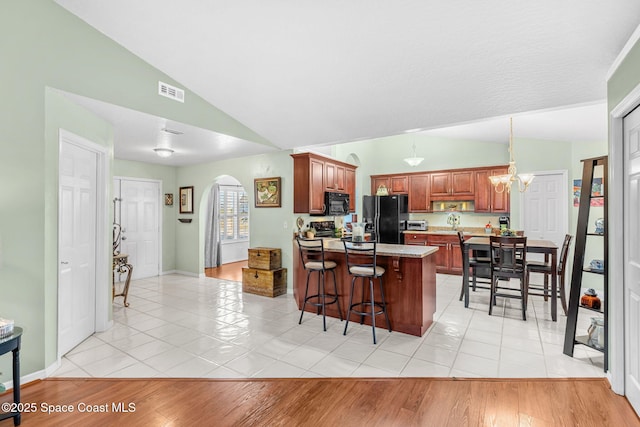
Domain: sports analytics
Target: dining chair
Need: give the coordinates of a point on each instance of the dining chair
(480, 266)
(508, 261)
(547, 270)
(312, 258)
(362, 264)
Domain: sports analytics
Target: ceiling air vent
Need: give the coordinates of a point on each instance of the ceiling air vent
(170, 92)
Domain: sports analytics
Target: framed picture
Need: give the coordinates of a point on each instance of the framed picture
(186, 199)
(267, 192)
(168, 199)
(597, 194)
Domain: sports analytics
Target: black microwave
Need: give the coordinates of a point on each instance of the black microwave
(336, 204)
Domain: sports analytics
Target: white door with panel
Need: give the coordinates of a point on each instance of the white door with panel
(77, 206)
(544, 208)
(138, 211)
(631, 125)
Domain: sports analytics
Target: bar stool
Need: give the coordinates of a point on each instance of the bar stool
(546, 269)
(508, 260)
(480, 266)
(312, 257)
(361, 263)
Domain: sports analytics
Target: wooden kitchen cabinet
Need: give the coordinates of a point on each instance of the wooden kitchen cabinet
(399, 185)
(487, 199)
(419, 193)
(451, 185)
(313, 175)
(377, 181)
(416, 239)
(448, 259)
(350, 186)
(334, 177)
(396, 184)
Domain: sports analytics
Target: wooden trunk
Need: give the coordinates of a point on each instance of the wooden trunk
(265, 258)
(268, 283)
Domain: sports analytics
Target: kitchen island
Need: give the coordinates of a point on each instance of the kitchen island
(409, 284)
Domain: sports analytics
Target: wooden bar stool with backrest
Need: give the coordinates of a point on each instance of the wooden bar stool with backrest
(508, 260)
(312, 257)
(545, 268)
(480, 265)
(361, 263)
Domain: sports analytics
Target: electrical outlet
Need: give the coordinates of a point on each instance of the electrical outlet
(285, 225)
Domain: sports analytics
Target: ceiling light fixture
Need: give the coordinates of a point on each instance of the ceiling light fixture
(414, 161)
(163, 151)
(502, 182)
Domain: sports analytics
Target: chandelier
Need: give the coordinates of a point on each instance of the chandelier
(414, 161)
(503, 182)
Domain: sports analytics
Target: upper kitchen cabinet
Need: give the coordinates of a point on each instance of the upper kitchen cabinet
(419, 194)
(487, 199)
(334, 177)
(350, 184)
(395, 184)
(453, 185)
(313, 175)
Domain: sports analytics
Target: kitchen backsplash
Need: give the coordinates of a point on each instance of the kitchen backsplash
(439, 219)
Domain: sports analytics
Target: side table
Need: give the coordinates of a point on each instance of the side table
(121, 265)
(7, 344)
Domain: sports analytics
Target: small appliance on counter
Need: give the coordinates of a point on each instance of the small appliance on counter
(504, 223)
(418, 225)
(323, 228)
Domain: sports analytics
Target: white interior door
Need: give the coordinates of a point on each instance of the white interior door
(77, 245)
(631, 125)
(544, 208)
(139, 218)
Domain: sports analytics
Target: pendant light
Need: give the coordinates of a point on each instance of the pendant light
(503, 182)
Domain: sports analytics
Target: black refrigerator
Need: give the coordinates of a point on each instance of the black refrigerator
(386, 217)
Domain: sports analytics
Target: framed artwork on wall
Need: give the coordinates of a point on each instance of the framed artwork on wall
(186, 199)
(267, 192)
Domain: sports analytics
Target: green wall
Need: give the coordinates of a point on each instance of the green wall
(267, 225)
(45, 48)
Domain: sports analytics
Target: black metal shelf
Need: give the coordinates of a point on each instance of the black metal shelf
(584, 340)
(597, 310)
(593, 270)
(570, 338)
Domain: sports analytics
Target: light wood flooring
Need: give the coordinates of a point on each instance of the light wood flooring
(327, 402)
(231, 271)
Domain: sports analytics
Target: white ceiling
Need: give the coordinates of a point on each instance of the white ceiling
(312, 73)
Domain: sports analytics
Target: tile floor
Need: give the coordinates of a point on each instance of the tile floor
(179, 326)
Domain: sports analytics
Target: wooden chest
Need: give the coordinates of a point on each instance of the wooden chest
(268, 283)
(265, 258)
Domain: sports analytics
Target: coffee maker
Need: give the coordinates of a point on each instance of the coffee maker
(504, 223)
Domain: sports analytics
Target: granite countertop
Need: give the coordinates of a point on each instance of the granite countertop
(387, 249)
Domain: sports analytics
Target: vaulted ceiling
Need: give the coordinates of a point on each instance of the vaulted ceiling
(303, 73)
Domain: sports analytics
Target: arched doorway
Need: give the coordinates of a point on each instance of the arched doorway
(226, 239)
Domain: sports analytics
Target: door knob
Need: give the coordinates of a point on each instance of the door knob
(124, 238)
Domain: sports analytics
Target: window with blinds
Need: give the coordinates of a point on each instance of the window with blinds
(234, 214)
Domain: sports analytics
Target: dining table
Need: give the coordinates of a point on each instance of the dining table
(539, 246)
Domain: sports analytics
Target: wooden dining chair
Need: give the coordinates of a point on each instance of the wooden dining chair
(479, 266)
(508, 261)
(547, 270)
